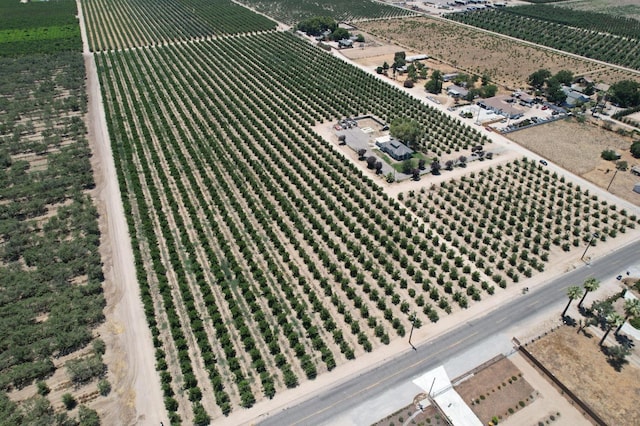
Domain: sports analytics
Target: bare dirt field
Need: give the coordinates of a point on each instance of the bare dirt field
(508, 62)
(577, 148)
(498, 390)
(577, 360)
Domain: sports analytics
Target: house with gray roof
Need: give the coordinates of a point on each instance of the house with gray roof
(456, 91)
(396, 149)
(574, 98)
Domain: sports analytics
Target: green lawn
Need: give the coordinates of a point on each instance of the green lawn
(397, 165)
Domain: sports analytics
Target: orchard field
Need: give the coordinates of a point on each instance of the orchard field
(38, 27)
(51, 295)
(294, 11)
(265, 258)
(119, 24)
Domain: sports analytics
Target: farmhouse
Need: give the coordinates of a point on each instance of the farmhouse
(456, 91)
(499, 105)
(574, 98)
(396, 149)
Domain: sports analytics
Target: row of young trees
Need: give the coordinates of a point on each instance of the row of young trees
(133, 23)
(591, 43)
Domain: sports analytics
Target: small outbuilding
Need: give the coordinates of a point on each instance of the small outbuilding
(456, 91)
(449, 77)
(345, 42)
(635, 170)
(636, 188)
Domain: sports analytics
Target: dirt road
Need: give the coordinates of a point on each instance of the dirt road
(136, 397)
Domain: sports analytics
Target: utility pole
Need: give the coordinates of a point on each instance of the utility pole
(614, 175)
(593, 236)
(413, 324)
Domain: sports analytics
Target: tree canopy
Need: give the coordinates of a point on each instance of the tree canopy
(635, 149)
(539, 78)
(340, 34)
(555, 93)
(317, 25)
(625, 93)
(434, 84)
(399, 59)
(405, 129)
(563, 76)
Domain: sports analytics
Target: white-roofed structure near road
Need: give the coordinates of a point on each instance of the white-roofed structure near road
(445, 399)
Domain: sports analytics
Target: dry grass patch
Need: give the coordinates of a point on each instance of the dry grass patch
(580, 364)
(508, 62)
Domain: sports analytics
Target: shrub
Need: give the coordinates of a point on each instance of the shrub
(85, 369)
(88, 417)
(43, 388)
(104, 387)
(69, 401)
(609, 155)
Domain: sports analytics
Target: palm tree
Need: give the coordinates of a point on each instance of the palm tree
(573, 292)
(614, 319)
(591, 284)
(631, 309)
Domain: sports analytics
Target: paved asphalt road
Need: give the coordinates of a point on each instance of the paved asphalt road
(337, 401)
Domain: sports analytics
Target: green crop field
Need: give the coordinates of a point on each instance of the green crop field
(38, 27)
(294, 11)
